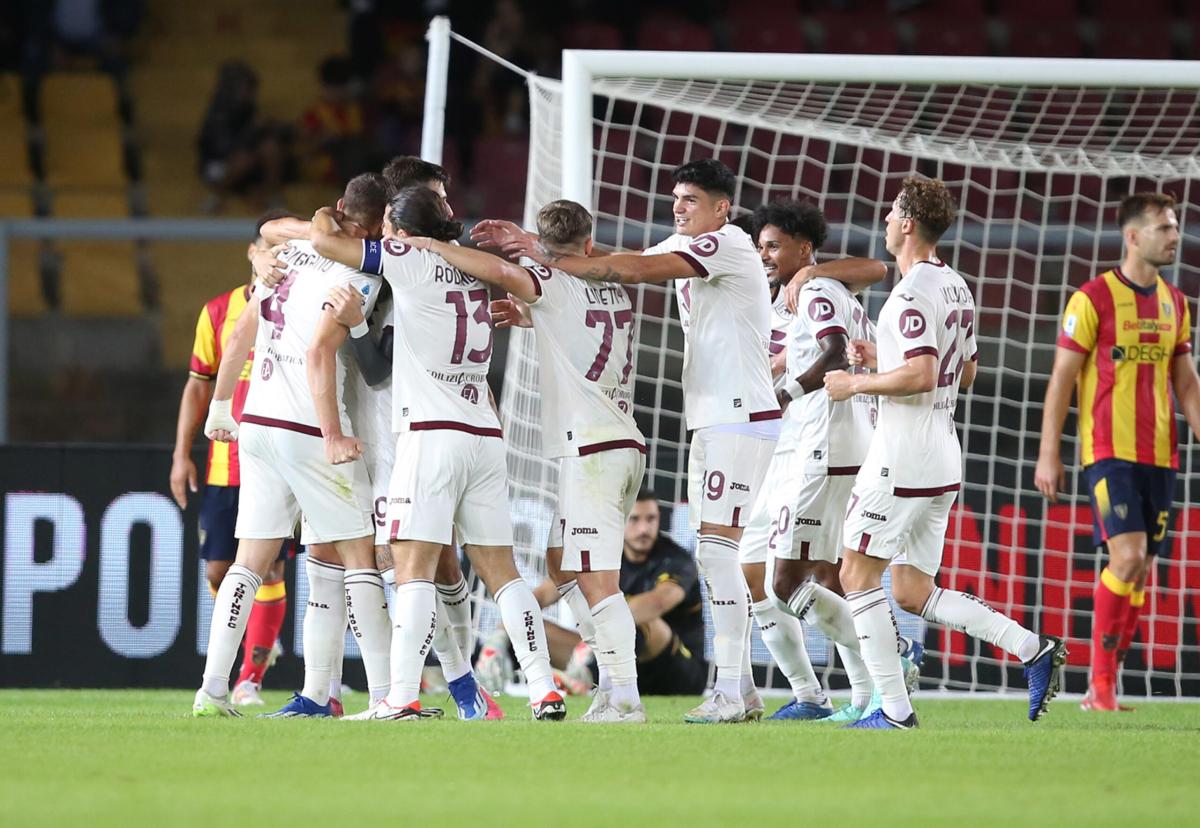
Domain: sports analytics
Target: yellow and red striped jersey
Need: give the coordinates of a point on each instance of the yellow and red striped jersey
(212, 332)
(1131, 335)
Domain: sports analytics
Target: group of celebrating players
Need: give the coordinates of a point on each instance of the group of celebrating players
(824, 449)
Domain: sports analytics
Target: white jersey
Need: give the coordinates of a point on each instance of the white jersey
(370, 407)
(915, 451)
(781, 318)
(726, 316)
(279, 394)
(443, 346)
(833, 436)
(585, 341)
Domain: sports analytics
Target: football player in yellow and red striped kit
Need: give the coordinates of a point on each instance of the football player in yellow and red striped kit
(218, 510)
(1126, 341)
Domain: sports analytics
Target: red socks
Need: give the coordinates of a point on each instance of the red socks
(266, 619)
(1137, 600)
(1112, 607)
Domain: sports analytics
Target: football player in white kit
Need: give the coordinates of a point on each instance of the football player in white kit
(450, 474)
(299, 455)
(729, 398)
(913, 470)
(585, 336)
(796, 523)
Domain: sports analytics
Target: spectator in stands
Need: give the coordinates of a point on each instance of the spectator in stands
(331, 130)
(241, 153)
(662, 584)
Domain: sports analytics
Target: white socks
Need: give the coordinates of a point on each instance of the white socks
(231, 611)
(335, 671)
(416, 626)
(830, 613)
(366, 611)
(445, 647)
(971, 615)
(718, 558)
(878, 643)
(456, 603)
(324, 626)
(571, 593)
(523, 622)
(784, 637)
(616, 637)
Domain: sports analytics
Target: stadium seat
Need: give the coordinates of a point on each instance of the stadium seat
(99, 278)
(760, 33)
(304, 199)
(1145, 12)
(1049, 38)
(591, 35)
(1030, 13)
(848, 34)
(189, 274)
(90, 204)
(82, 130)
(15, 202)
(1123, 39)
(14, 141)
(935, 37)
(25, 295)
(674, 33)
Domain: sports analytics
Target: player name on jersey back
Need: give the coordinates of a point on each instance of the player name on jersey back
(833, 436)
(915, 451)
(726, 316)
(288, 318)
(585, 335)
(443, 341)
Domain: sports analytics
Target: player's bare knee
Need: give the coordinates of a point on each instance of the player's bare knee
(494, 564)
(449, 570)
(756, 580)
(785, 581)
(1127, 555)
(276, 572)
(732, 532)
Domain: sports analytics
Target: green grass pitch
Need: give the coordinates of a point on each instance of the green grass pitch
(99, 758)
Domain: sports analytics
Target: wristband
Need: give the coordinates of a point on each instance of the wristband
(360, 330)
(794, 390)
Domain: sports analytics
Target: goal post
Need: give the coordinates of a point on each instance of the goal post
(1038, 153)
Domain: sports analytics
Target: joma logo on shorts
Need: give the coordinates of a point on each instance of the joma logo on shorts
(584, 530)
(738, 487)
(808, 521)
(406, 501)
(875, 516)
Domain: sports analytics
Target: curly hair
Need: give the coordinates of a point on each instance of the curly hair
(799, 219)
(928, 202)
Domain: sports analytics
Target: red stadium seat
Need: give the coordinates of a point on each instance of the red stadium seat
(1144, 12)
(935, 37)
(1030, 13)
(1046, 38)
(849, 34)
(591, 35)
(673, 33)
(958, 11)
(767, 34)
(1129, 40)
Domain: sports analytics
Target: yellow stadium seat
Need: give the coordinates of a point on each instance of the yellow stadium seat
(14, 147)
(99, 278)
(90, 204)
(15, 203)
(82, 129)
(190, 274)
(25, 296)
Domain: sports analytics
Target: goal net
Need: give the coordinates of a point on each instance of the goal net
(1038, 167)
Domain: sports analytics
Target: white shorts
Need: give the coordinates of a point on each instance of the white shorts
(595, 496)
(809, 518)
(725, 475)
(285, 473)
(904, 530)
(445, 481)
(761, 530)
(380, 458)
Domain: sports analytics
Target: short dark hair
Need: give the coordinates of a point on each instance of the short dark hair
(409, 171)
(646, 493)
(799, 219)
(563, 223)
(418, 211)
(928, 202)
(709, 175)
(1134, 207)
(365, 197)
(270, 215)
